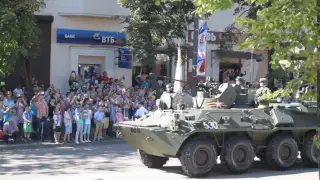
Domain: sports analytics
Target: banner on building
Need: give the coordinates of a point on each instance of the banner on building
(202, 48)
(125, 58)
(178, 86)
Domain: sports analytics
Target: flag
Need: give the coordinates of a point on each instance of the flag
(216, 104)
(202, 47)
(178, 75)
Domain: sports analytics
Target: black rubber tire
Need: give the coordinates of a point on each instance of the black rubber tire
(151, 161)
(274, 148)
(308, 156)
(228, 157)
(188, 158)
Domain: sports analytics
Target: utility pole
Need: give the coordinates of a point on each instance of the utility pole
(318, 78)
(195, 52)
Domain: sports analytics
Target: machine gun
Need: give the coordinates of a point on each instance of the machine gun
(172, 79)
(211, 88)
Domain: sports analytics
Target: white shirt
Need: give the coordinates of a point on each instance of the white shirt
(141, 111)
(99, 116)
(57, 119)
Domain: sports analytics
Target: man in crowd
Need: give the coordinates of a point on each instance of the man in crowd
(42, 115)
(141, 111)
(10, 131)
(104, 78)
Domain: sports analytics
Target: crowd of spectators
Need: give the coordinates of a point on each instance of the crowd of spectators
(87, 112)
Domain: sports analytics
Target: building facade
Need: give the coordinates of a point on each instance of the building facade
(86, 38)
(223, 64)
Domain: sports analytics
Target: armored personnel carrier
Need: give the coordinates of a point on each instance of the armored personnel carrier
(223, 124)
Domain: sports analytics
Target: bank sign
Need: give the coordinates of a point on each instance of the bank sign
(90, 37)
(212, 37)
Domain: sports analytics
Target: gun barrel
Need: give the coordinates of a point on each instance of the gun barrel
(165, 77)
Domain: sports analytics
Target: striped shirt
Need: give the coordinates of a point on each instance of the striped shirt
(42, 109)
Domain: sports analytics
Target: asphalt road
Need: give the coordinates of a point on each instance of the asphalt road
(114, 162)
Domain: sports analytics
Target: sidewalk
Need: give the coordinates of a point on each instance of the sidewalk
(37, 145)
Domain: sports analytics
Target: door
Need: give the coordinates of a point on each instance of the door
(89, 66)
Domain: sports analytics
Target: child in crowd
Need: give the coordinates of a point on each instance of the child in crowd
(98, 118)
(67, 125)
(87, 123)
(57, 125)
(79, 121)
(27, 118)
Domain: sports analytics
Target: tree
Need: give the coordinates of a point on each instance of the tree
(151, 23)
(18, 32)
(287, 26)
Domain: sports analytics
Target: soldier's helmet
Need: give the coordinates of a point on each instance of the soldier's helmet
(263, 80)
(169, 87)
(240, 79)
(210, 79)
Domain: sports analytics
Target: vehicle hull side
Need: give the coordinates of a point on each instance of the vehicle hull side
(153, 141)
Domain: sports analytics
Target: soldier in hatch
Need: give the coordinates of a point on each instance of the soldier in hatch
(165, 101)
(169, 88)
(263, 90)
(241, 90)
(238, 84)
(240, 81)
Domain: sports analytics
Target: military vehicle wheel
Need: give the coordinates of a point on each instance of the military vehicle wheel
(197, 157)
(152, 161)
(309, 153)
(237, 154)
(281, 152)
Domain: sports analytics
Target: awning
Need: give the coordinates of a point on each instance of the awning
(239, 54)
(90, 15)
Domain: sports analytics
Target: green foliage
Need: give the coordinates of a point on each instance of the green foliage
(277, 94)
(284, 26)
(18, 31)
(151, 22)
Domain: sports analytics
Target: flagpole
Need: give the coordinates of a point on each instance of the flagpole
(195, 52)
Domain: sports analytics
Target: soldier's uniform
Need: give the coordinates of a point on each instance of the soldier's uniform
(242, 92)
(239, 84)
(263, 90)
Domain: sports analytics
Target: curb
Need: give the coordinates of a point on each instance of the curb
(6, 147)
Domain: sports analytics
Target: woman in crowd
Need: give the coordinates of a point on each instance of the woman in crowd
(67, 125)
(79, 121)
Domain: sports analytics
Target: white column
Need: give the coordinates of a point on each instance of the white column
(215, 64)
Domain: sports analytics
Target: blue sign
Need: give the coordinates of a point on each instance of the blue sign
(90, 37)
(125, 58)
